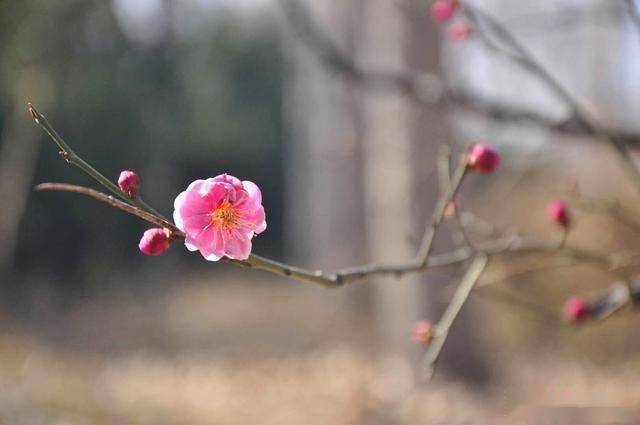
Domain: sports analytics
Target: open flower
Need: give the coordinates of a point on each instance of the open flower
(220, 216)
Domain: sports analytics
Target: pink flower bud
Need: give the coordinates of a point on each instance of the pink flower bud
(558, 212)
(459, 31)
(129, 183)
(422, 332)
(155, 241)
(576, 309)
(443, 10)
(483, 159)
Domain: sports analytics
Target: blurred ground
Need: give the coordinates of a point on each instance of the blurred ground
(260, 351)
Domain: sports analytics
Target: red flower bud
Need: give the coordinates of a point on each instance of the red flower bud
(422, 332)
(558, 212)
(155, 241)
(443, 10)
(459, 31)
(576, 309)
(129, 183)
(483, 159)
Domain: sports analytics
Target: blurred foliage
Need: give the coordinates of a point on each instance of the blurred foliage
(202, 98)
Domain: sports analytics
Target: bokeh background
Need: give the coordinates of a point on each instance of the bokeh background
(93, 332)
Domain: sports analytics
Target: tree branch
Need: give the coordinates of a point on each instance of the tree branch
(521, 56)
(443, 327)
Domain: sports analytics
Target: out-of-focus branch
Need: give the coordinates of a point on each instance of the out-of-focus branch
(425, 88)
(444, 180)
(633, 12)
(443, 326)
(448, 196)
(605, 207)
(611, 300)
(488, 27)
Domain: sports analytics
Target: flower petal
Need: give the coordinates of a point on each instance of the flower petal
(236, 245)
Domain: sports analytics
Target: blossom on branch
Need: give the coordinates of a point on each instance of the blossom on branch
(576, 309)
(483, 159)
(155, 241)
(129, 183)
(422, 332)
(220, 216)
(443, 10)
(559, 213)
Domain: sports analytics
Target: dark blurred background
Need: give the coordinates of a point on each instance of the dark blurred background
(173, 91)
(92, 331)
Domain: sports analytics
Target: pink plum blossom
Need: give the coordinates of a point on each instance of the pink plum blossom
(220, 216)
(155, 241)
(129, 183)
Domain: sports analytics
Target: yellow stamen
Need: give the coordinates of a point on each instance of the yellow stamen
(224, 216)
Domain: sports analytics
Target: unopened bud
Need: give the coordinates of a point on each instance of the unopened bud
(443, 10)
(483, 159)
(422, 332)
(129, 183)
(576, 309)
(558, 212)
(155, 241)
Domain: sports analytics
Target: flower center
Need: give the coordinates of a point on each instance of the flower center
(224, 216)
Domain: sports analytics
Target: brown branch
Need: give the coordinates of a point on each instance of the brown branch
(511, 48)
(129, 209)
(443, 327)
(512, 247)
(428, 89)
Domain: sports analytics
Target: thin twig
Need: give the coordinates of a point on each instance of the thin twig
(444, 180)
(443, 327)
(72, 158)
(425, 88)
(448, 196)
(541, 311)
(634, 14)
(605, 207)
(513, 247)
(129, 209)
(515, 51)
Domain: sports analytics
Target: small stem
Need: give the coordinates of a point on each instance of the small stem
(70, 156)
(130, 209)
(444, 178)
(448, 196)
(443, 327)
